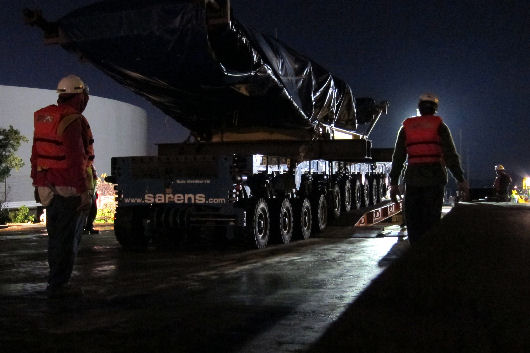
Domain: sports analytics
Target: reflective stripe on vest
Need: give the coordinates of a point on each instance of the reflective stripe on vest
(88, 141)
(422, 139)
(48, 137)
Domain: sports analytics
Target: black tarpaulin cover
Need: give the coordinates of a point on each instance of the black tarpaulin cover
(207, 80)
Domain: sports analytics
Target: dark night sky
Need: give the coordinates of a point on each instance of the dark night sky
(473, 54)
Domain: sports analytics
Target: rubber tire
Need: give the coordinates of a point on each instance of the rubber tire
(374, 191)
(319, 211)
(303, 221)
(365, 200)
(383, 189)
(258, 227)
(346, 196)
(129, 229)
(357, 194)
(336, 202)
(282, 221)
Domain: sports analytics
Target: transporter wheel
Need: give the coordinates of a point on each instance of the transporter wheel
(335, 200)
(167, 226)
(282, 221)
(383, 189)
(129, 228)
(365, 200)
(303, 219)
(374, 191)
(178, 231)
(258, 227)
(379, 189)
(347, 196)
(319, 210)
(357, 193)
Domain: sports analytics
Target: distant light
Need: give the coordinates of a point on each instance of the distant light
(526, 183)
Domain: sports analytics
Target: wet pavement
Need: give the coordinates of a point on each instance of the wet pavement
(201, 299)
(467, 289)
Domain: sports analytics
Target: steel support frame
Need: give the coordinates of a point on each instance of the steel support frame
(379, 214)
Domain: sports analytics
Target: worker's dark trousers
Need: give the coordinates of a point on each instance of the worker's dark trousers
(503, 195)
(423, 209)
(92, 213)
(64, 224)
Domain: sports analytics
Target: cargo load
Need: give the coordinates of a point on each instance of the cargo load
(209, 72)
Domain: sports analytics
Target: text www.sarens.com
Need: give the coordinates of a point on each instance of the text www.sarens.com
(175, 198)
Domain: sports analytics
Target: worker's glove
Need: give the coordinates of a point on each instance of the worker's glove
(86, 202)
(463, 191)
(394, 193)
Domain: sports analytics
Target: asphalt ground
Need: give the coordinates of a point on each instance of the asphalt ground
(199, 299)
(467, 289)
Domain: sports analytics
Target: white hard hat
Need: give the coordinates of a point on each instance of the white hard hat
(499, 167)
(71, 84)
(429, 97)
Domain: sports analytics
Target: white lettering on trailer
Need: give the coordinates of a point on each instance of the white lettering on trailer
(193, 181)
(176, 198)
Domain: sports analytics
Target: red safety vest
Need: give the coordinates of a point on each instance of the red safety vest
(422, 139)
(50, 123)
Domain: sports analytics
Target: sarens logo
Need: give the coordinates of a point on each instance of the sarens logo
(180, 198)
(175, 198)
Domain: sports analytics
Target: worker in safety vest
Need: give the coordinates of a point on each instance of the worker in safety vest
(427, 145)
(502, 184)
(61, 153)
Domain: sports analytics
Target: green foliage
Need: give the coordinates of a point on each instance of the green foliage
(22, 215)
(106, 213)
(106, 194)
(10, 141)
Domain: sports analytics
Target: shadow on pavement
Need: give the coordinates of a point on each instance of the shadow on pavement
(467, 289)
(396, 251)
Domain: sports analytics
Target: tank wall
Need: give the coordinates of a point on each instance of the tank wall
(120, 129)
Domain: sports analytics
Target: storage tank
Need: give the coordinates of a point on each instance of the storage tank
(120, 129)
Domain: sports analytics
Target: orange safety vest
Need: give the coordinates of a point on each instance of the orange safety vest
(50, 123)
(422, 139)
